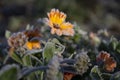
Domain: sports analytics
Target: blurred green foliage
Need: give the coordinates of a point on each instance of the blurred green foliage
(91, 15)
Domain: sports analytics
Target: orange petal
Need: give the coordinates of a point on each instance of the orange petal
(103, 56)
(110, 64)
(33, 45)
(68, 32)
(68, 76)
(66, 25)
(56, 17)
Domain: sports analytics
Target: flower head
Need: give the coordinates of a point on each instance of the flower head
(82, 63)
(17, 40)
(33, 41)
(21, 41)
(103, 56)
(56, 20)
(108, 62)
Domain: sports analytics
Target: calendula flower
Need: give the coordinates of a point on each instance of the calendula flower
(17, 40)
(103, 56)
(82, 63)
(24, 40)
(33, 41)
(108, 62)
(56, 21)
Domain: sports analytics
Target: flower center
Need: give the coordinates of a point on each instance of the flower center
(56, 26)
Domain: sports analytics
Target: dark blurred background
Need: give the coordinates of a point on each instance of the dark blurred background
(91, 15)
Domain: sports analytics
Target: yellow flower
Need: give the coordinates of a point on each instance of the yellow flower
(33, 45)
(56, 20)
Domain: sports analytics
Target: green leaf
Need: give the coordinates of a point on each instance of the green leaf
(28, 27)
(118, 48)
(30, 53)
(27, 60)
(103, 46)
(52, 47)
(17, 58)
(95, 73)
(113, 43)
(106, 76)
(48, 51)
(115, 76)
(54, 40)
(60, 76)
(41, 75)
(9, 72)
(34, 51)
(59, 48)
(7, 34)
